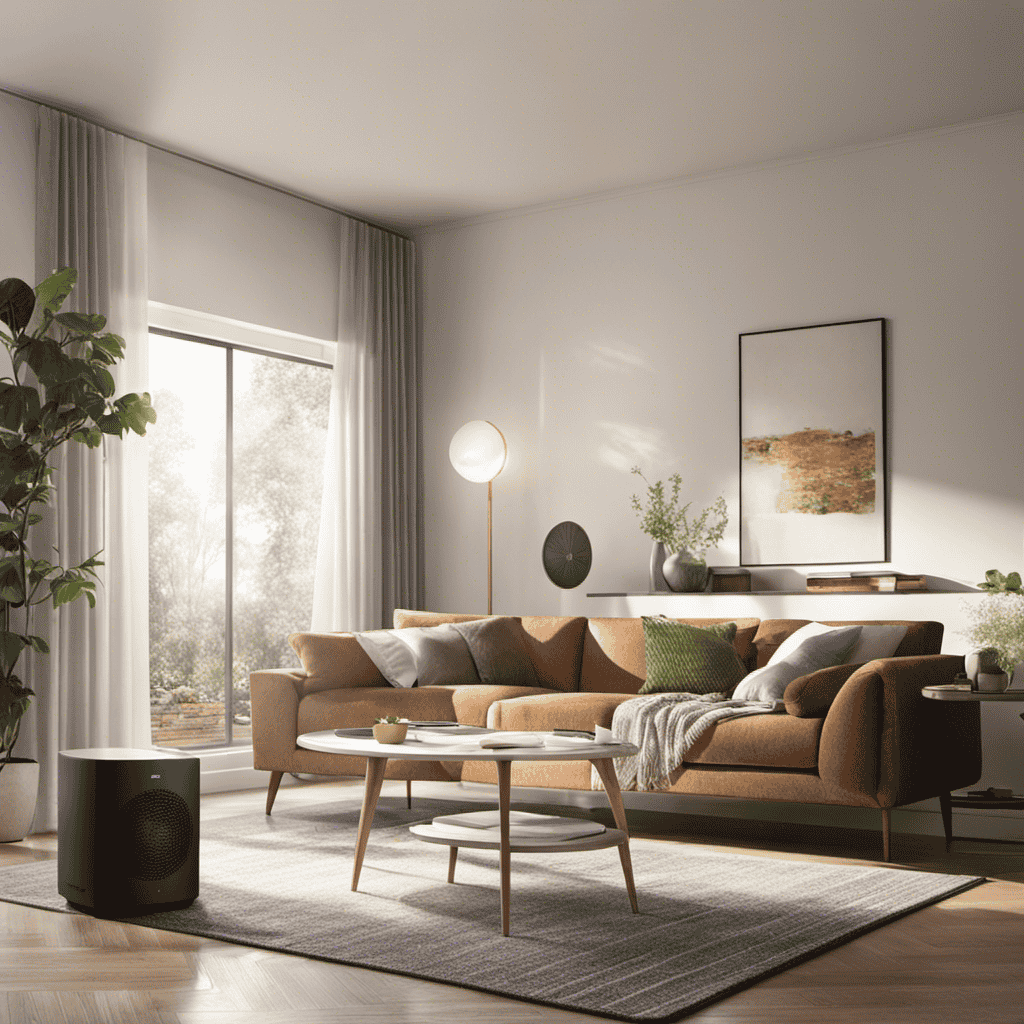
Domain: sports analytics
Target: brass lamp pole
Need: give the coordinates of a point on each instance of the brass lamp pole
(478, 451)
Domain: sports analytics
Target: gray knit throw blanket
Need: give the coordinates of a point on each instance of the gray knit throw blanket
(665, 726)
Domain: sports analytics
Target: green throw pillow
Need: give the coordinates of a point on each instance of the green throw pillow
(690, 659)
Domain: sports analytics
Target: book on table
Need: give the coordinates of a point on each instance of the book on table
(524, 826)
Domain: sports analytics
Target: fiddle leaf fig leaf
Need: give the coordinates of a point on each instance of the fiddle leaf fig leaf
(135, 412)
(17, 302)
(52, 293)
(82, 323)
(11, 646)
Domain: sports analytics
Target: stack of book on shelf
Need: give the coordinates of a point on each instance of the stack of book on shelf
(524, 828)
(872, 581)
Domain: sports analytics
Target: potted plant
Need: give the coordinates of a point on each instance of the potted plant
(390, 729)
(677, 558)
(996, 624)
(59, 390)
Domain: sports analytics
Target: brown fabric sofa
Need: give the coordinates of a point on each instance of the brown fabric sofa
(852, 735)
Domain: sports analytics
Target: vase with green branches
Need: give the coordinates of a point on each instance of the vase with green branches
(668, 524)
(58, 391)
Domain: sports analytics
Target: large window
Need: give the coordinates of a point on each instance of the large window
(235, 478)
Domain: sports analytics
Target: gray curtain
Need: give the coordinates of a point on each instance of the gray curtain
(92, 690)
(370, 550)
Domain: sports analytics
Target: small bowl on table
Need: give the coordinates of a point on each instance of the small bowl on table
(390, 732)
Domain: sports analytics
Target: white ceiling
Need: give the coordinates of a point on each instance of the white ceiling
(413, 112)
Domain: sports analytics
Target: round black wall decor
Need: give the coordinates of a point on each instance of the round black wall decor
(567, 555)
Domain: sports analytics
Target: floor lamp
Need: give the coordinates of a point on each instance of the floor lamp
(477, 451)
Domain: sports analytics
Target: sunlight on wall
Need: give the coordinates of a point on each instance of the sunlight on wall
(625, 446)
(616, 360)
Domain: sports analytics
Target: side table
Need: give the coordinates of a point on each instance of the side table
(960, 692)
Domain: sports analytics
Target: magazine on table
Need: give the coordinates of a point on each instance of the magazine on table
(472, 738)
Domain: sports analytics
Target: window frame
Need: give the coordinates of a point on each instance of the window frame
(233, 335)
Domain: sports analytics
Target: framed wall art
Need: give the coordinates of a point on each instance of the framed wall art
(812, 445)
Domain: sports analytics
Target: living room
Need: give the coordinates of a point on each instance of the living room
(597, 325)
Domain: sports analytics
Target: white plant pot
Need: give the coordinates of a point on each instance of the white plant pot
(19, 787)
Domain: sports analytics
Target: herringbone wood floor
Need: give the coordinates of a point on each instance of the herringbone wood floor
(959, 961)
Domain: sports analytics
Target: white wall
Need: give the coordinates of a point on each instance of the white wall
(18, 188)
(603, 334)
(224, 245)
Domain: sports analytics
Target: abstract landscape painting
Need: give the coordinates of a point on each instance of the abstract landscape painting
(812, 445)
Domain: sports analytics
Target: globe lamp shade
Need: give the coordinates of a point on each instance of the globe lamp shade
(477, 451)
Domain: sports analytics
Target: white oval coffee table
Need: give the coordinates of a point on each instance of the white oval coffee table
(354, 743)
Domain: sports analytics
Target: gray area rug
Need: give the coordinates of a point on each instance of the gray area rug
(709, 923)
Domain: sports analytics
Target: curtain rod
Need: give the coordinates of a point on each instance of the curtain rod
(198, 160)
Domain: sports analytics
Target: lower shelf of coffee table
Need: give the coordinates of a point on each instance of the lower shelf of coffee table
(1006, 803)
(610, 837)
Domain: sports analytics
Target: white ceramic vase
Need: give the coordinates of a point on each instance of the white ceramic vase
(683, 575)
(19, 787)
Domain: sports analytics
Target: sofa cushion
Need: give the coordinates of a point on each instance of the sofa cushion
(554, 643)
(805, 651)
(498, 652)
(358, 707)
(763, 741)
(613, 652)
(690, 659)
(334, 659)
(562, 711)
(473, 703)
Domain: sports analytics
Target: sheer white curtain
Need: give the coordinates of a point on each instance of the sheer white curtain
(369, 555)
(92, 690)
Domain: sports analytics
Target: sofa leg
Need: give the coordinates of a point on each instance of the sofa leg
(886, 820)
(275, 782)
(408, 794)
(946, 806)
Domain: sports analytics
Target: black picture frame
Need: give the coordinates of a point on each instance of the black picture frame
(813, 445)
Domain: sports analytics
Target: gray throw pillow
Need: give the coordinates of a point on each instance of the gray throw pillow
(816, 652)
(498, 651)
(441, 655)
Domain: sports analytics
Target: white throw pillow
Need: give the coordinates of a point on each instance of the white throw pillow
(816, 651)
(392, 657)
(874, 642)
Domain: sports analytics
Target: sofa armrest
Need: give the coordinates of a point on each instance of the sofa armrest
(882, 739)
(274, 700)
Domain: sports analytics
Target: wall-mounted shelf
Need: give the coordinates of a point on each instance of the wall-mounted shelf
(779, 593)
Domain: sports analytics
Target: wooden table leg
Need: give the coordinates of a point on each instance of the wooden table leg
(453, 856)
(505, 857)
(606, 769)
(374, 780)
